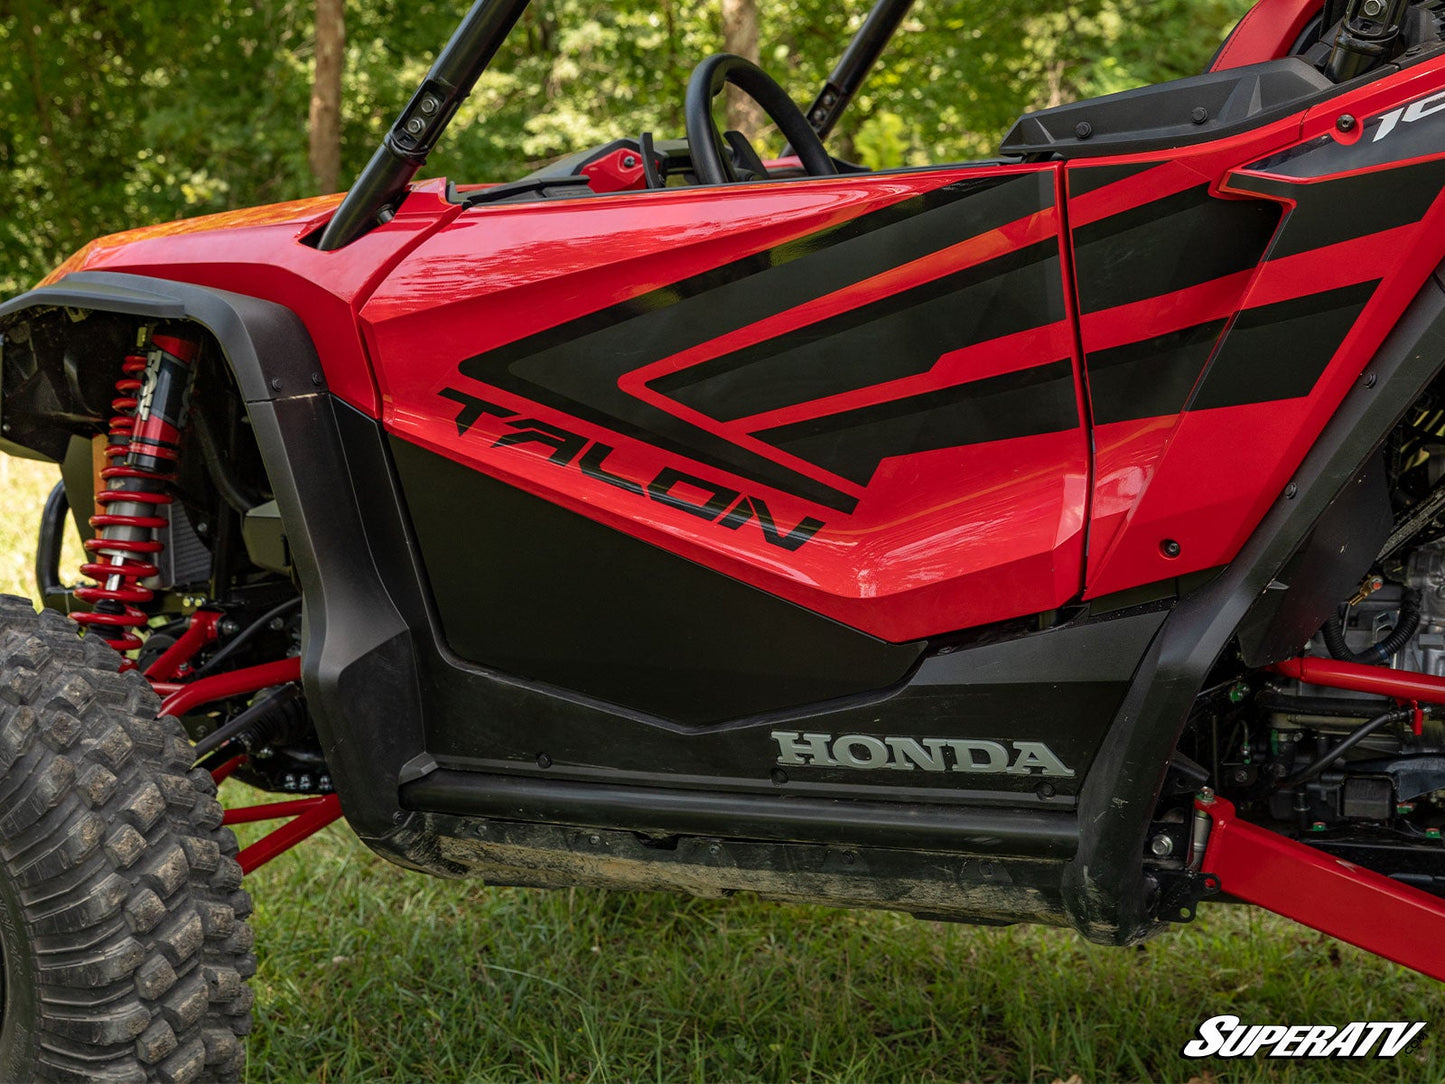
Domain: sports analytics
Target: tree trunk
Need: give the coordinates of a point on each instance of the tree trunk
(325, 124)
(740, 36)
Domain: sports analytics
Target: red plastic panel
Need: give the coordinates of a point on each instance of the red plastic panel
(857, 393)
(1268, 31)
(259, 252)
(1231, 376)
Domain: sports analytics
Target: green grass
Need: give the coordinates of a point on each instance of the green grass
(368, 972)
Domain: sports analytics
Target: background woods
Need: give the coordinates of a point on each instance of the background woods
(119, 113)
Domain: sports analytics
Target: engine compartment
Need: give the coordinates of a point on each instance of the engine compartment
(1331, 761)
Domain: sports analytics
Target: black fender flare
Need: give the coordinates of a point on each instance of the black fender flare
(358, 660)
(267, 345)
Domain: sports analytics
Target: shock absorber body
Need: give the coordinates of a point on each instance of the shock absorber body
(144, 442)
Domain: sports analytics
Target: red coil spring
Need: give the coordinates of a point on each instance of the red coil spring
(117, 590)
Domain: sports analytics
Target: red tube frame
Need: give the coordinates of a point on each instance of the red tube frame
(1405, 685)
(181, 699)
(1326, 893)
(311, 815)
(221, 774)
(200, 632)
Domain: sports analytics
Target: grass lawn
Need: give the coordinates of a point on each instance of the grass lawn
(369, 972)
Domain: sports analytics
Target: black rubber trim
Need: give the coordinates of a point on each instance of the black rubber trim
(747, 816)
(267, 345)
(1104, 886)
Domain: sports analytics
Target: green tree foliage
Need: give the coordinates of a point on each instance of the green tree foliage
(118, 113)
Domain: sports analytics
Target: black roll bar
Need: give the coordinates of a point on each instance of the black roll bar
(405, 148)
(857, 60)
(379, 188)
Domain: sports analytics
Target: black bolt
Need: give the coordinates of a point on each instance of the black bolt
(779, 776)
(714, 849)
(543, 760)
(629, 162)
(849, 857)
(275, 383)
(1170, 548)
(1199, 114)
(398, 817)
(1370, 379)
(1083, 129)
(1346, 122)
(1290, 491)
(1045, 790)
(316, 379)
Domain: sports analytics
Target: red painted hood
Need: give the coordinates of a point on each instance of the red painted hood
(263, 252)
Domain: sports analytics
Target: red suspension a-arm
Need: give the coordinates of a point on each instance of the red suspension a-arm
(1326, 893)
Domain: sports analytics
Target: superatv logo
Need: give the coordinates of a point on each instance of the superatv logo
(1228, 1037)
(696, 496)
(929, 754)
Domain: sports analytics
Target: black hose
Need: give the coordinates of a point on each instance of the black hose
(251, 630)
(1404, 630)
(1359, 734)
(52, 536)
(226, 486)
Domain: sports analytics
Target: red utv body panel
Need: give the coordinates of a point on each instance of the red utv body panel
(876, 396)
(1268, 31)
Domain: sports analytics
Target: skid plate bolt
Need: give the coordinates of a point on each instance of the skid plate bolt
(1199, 114)
(1083, 130)
(1346, 122)
(543, 760)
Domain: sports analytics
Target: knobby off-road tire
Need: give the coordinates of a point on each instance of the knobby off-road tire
(122, 919)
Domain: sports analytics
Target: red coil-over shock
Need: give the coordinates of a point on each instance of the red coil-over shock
(145, 430)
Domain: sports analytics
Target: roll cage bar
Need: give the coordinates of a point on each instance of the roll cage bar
(382, 183)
